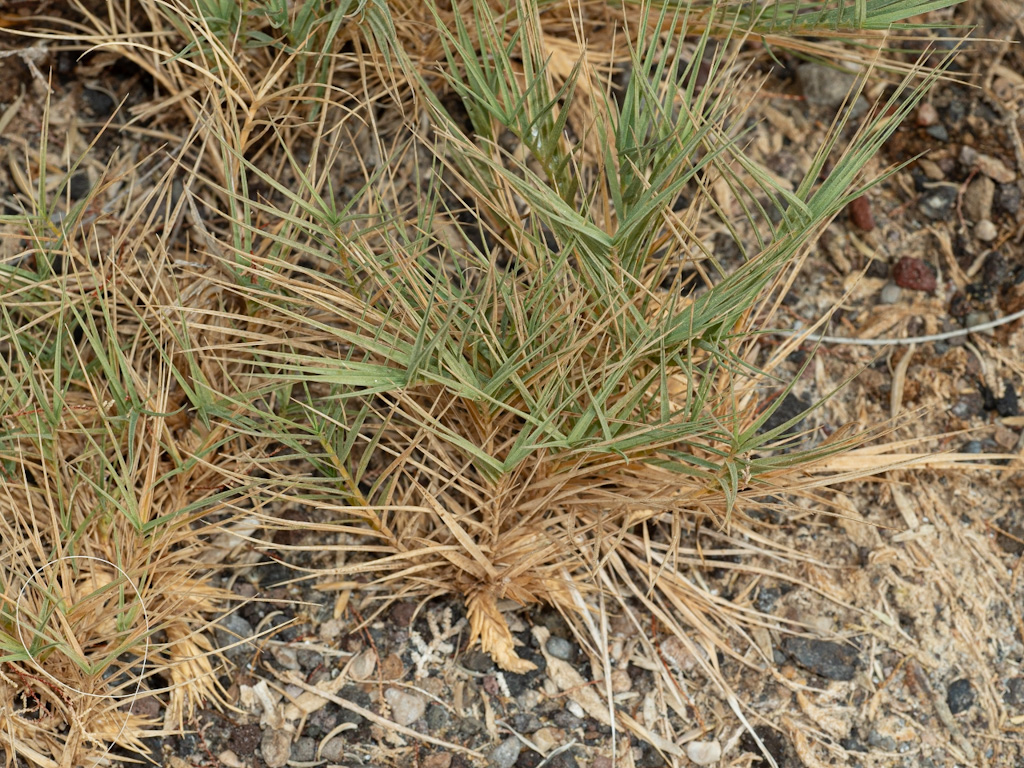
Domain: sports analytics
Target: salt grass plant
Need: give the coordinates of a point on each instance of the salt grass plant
(444, 276)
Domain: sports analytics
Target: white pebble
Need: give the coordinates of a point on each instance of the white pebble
(985, 231)
(704, 752)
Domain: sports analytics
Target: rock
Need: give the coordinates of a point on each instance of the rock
(881, 741)
(304, 750)
(960, 696)
(276, 747)
(437, 717)
(978, 199)
(704, 752)
(986, 231)
(995, 169)
(98, 103)
(78, 185)
(286, 656)
(505, 754)
(232, 633)
(860, 213)
(825, 86)
(438, 760)
(938, 131)
(333, 751)
(560, 648)
(406, 708)
(822, 657)
(547, 739)
(309, 659)
(915, 274)
(890, 293)
(1007, 199)
(790, 407)
(927, 115)
(937, 200)
(1014, 695)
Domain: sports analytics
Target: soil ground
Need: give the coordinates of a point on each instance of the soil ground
(914, 577)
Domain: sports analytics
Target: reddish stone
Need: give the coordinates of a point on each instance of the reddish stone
(860, 213)
(914, 274)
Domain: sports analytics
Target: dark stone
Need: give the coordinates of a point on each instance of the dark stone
(1012, 545)
(1007, 199)
(822, 657)
(357, 696)
(938, 132)
(960, 696)
(1007, 404)
(790, 407)
(526, 722)
(79, 186)
(304, 750)
(437, 718)
(309, 659)
(937, 201)
(766, 598)
(477, 661)
(97, 102)
(1014, 695)
(519, 684)
(563, 718)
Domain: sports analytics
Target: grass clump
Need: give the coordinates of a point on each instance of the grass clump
(436, 274)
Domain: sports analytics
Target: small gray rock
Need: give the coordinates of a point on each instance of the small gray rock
(406, 708)
(938, 199)
(505, 754)
(822, 657)
(304, 750)
(1007, 199)
(276, 747)
(890, 293)
(978, 199)
(234, 629)
(824, 86)
(560, 648)
(334, 750)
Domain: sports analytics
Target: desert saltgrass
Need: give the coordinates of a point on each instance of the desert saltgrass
(447, 275)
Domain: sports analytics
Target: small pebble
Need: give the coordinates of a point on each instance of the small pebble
(1014, 695)
(927, 115)
(986, 231)
(505, 754)
(704, 752)
(304, 750)
(334, 750)
(560, 648)
(822, 657)
(914, 274)
(937, 201)
(890, 293)
(960, 696)
(406, 708)
(824, 86)
(978, 199)
(938, 132)
(860, 213)
(286, 657)
(276, 747)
